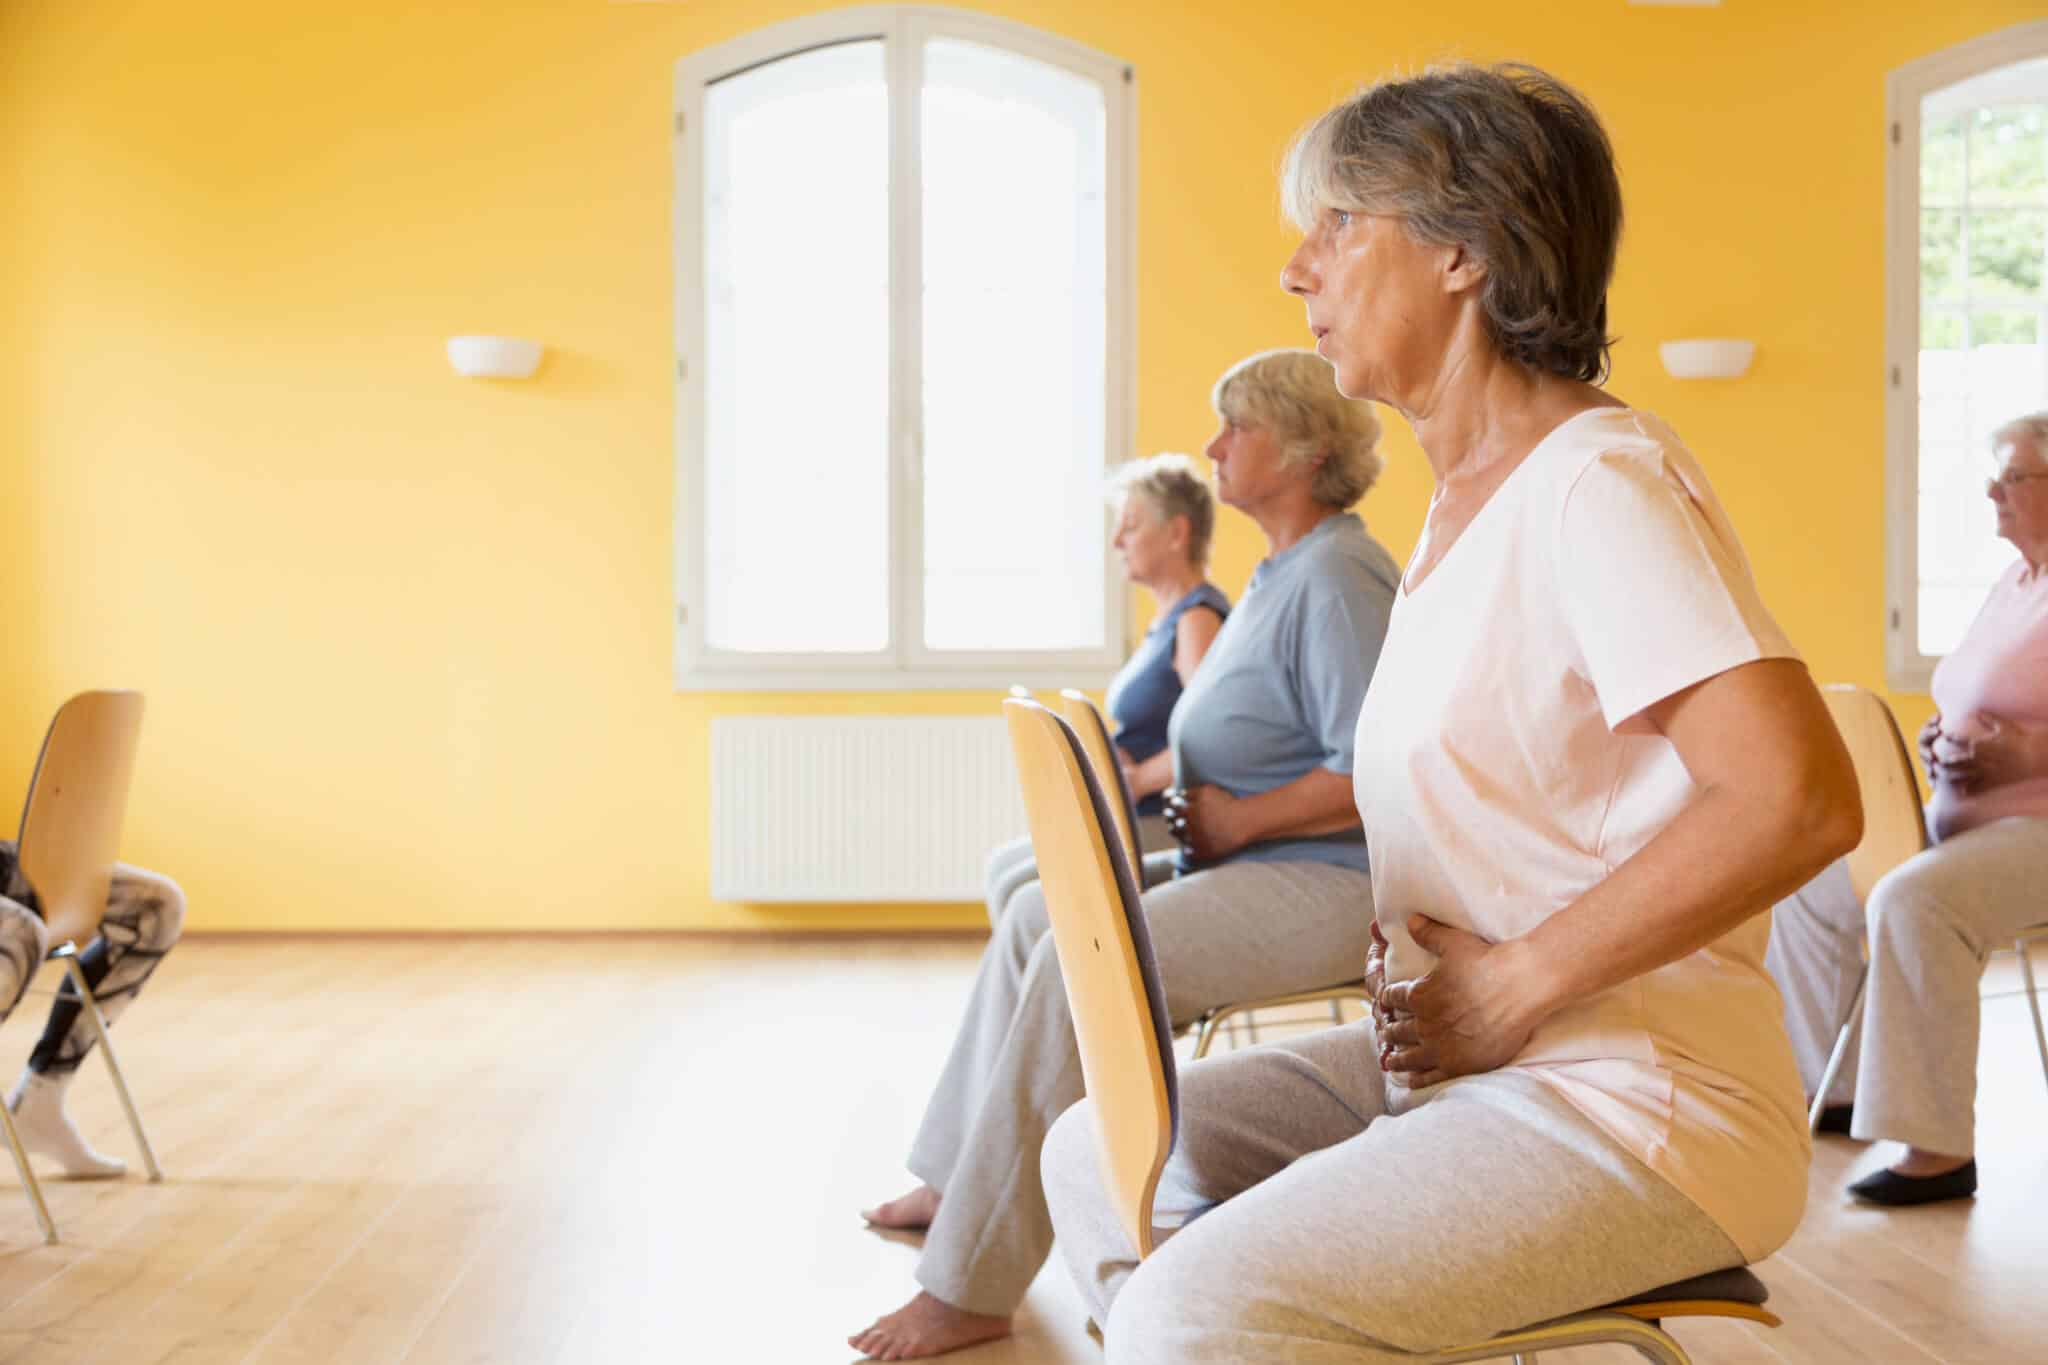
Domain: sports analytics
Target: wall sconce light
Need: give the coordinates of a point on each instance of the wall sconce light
(481, 357)
(1707, 357)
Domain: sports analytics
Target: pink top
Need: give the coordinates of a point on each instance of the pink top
(1502, 772)
(2000, 669)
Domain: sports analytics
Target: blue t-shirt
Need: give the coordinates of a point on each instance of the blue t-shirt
(1142, 694)
(1279, 692)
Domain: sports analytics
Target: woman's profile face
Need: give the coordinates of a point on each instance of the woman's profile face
(2022, 502)
(1144, 539)
(1249, 467)
(1377, 302)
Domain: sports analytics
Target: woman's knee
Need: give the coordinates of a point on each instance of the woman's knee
(165, 921)
(1910, 903)
(1069, 1165)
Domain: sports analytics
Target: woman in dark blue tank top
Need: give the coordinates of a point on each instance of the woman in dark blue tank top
(1162, 533)
(1165, 518)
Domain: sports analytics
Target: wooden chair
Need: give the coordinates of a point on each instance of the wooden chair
(1126, 1043)
(70, 834)
(1088, 723)
(1894, 829)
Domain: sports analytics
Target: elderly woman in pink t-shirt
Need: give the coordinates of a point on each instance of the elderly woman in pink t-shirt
(1934, 920)
(1588, 761)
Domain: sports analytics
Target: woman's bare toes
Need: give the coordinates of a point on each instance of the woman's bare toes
(911, 1212)
(926, 1327)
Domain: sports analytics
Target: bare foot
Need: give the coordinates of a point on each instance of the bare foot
(926, 1327)
(1920, 1164)
(913, 1212)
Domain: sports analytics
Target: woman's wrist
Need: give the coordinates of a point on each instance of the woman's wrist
(1536, 979)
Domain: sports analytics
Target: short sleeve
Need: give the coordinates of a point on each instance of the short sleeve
(1340, 647)
(1654, 585)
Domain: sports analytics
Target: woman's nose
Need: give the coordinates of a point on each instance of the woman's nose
(1295, 277)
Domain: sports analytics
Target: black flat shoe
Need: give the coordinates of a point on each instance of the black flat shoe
(1889, 1187)
(1836, 1118)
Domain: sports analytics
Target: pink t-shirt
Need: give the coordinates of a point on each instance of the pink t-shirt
(1502, 771)
(2000, 669)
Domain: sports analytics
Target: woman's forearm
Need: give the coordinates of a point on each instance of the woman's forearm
(1152, 776)
(1720, 862)
(1777, 801)
(1317, 802)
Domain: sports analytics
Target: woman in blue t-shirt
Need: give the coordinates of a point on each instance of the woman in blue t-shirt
(1275, 894)
(1166, 516)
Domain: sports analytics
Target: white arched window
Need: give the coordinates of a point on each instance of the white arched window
(903, 262)
(1966, 323)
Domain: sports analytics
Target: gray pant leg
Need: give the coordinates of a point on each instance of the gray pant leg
(1489, 1205)
(1932, 922)
(1816, 957)
(993, 1015)
(1010, 866)
(1230, 933)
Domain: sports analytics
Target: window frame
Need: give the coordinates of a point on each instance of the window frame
(1906, 668)
(907, 663)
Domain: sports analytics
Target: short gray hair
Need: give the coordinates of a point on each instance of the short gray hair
(1174, 487)
(1507, 162)
(1293, 395)
(2030, 431)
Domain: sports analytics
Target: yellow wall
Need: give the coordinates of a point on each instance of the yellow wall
(406, 637)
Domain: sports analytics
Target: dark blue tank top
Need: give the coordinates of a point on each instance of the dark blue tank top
(1142, 694)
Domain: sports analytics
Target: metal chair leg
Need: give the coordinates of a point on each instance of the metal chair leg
(1205, 1036)
(2033, 1003)
(28, 1177)
(1850, 1027)
(91, 1008)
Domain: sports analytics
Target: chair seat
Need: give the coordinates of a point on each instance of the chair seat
(1734, 1285)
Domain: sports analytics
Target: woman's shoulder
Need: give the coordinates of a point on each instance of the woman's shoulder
(1350, 565)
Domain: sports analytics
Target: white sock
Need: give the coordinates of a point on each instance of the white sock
(37, 1102)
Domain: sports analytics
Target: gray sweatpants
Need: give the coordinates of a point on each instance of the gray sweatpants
(1230, 933)
(1011, 866)
(1931, 923)
(1315, 1224)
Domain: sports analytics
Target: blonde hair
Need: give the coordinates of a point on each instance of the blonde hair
(1174, 487)
(1293, 395)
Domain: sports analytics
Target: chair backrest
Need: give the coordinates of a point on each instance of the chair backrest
(71, 823)
(1106, 960)
(1086, 718)
(1894, 829)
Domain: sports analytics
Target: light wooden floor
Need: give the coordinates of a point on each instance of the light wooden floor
(653, 1149)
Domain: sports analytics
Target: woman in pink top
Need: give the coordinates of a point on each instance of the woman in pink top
(1934, 920)
(1587, 763)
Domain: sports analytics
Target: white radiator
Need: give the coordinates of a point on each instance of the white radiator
(827, 808)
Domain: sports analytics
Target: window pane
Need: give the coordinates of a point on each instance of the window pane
(2009, 154)
(1941, 253)
(1965, 395)
(1983, 248)
(1941, 160)
(796, 370)
(2006, 250)
(1015, 314)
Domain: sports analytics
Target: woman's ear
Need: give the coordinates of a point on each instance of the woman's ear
(1462, 271)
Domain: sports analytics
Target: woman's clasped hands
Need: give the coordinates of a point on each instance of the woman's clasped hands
(1472, 1011)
